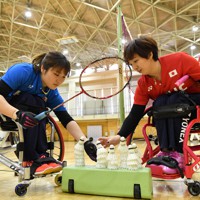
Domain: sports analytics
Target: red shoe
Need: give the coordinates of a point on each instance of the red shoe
(56, 167)
(44, 169)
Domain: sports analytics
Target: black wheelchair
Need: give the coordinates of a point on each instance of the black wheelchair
(11, 137)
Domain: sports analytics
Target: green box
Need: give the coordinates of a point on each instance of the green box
(106, 182)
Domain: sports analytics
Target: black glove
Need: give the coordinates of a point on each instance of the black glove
(26, 119)
(91, 150)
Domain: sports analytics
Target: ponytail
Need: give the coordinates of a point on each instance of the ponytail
(37, 61)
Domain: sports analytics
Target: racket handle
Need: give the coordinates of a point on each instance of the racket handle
(42, 115)
(181, 80)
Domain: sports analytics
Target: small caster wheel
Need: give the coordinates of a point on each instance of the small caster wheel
(194, 188)
(58, 179)
(21, 189)
(64, 164)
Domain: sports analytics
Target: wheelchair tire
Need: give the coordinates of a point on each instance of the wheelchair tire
(21, 189)
(58, 179)
(59, 147)
(194, 188)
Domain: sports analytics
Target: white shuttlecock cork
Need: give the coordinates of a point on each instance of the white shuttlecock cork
(139, 155)
(79, 153)
(123, 153)
(101, 156)
(112, 158)
(132, 159)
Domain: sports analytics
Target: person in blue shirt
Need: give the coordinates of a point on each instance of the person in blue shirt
(27, 89)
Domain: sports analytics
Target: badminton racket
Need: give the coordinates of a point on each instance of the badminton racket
(104, 72)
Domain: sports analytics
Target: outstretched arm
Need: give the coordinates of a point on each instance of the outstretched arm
(128, 126)
(75, 130)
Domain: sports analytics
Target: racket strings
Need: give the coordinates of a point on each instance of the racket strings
(104, 78)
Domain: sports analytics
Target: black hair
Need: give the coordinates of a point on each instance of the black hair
(142, 46)
(51, 59)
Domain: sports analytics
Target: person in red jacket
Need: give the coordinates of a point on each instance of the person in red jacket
(157, 82)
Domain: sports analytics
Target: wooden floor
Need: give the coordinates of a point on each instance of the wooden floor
(45, 188)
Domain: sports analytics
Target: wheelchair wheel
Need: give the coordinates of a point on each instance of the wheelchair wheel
(21, 189)
(54, 138)
(57, 142)
(58, 179)
(194, 188)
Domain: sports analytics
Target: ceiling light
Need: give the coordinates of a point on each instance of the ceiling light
(67, 40)
(28, 14)
(65, 51)
(195, 28)
(124, 41)
(193, 47)
(78, 64)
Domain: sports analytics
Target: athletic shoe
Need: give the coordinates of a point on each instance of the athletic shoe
(179, 158)
(163, 153)
(44, 169)
(56, 167)
(168, 170)
(48, 168)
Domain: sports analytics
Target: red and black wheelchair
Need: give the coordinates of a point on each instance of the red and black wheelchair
(191, 151)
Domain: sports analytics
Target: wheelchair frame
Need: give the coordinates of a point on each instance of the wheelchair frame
(191, 156)
(23, 173)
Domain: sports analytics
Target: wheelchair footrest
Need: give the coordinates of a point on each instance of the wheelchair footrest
(157, 172)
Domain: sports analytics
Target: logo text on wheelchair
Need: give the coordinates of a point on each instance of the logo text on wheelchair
(196, 167)
(14, 168)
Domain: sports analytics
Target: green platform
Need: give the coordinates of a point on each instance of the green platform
(119, 183)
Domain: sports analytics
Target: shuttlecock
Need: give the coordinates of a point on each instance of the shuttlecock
(133, 160)
(101, 156)
(79, 153)
(123, 153)
(112, 158)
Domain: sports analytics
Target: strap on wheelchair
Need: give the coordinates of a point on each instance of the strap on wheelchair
(173, 110)
(176, 109)
(166, 161)
(8, 125)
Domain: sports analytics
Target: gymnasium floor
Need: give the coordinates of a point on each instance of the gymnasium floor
(45, 188)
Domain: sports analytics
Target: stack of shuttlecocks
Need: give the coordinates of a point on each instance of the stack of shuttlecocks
(122, 157)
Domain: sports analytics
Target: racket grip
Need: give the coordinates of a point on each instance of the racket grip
(181, 80)
(42, 115)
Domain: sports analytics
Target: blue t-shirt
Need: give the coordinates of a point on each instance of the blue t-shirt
(22, 77)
